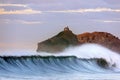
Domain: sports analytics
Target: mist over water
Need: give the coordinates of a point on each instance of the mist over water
(80, 62)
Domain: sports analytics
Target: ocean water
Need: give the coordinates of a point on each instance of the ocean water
(85, 62)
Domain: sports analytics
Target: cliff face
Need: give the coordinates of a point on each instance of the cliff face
(59, 42)
(67, 38)
(102, 38)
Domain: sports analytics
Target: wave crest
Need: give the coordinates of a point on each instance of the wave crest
(84, 58)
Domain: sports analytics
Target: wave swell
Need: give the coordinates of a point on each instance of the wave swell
(88, 58)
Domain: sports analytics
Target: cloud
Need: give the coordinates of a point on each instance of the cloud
(108, 21)
(7, 21)
(24, 11)
(31, 11)
(86, 10)
(15, 5)
(111, 21)
(31, 22)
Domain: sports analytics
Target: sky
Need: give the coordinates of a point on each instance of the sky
(24, 23)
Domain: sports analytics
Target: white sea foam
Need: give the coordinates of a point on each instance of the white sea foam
(21, 69)
(83, 51)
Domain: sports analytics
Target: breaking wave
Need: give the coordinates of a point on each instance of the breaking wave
(87, 58)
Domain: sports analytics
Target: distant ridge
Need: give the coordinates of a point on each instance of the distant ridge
(67, 38)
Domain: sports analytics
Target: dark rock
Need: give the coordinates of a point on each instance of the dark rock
(103, 63)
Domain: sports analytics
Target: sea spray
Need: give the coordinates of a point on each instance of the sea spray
(83, 55)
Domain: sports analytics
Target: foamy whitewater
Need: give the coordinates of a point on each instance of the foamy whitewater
(74, 63)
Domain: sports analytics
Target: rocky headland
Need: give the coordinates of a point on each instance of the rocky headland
(67, 38)
(59, 42)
